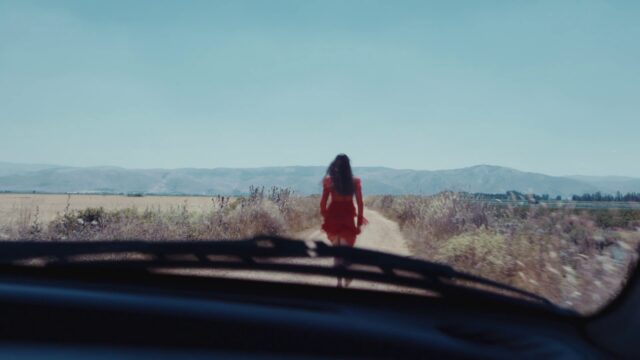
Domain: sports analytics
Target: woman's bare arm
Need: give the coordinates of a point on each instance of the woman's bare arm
(360, 204)
(323, 201)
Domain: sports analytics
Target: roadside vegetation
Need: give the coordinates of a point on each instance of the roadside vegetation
(575, 258)
(275, 211)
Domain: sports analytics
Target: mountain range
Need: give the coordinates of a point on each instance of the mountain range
(302, 179)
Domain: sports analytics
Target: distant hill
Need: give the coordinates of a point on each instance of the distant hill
(303, 179)
(7, 168)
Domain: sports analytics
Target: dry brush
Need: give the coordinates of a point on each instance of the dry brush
(275, 211)
(576, 258)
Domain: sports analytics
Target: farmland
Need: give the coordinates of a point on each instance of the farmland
(16, 207)
(106, 217)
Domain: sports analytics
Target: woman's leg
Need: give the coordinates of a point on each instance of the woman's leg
(341, 240)
(343, 263)
(337, 240)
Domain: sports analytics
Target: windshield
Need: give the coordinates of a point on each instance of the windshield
(499, 139)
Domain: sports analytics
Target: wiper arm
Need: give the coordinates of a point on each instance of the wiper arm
(248, 255)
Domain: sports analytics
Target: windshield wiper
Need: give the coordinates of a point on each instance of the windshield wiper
(254, 254)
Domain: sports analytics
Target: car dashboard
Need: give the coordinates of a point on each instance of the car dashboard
(120, 314)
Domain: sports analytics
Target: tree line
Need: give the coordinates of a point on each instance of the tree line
(598, 196)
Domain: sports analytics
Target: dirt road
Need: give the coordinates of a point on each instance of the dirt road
(380, 234)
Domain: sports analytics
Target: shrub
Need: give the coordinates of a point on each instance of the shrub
(477, 252)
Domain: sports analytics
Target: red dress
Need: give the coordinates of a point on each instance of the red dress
(339, 216)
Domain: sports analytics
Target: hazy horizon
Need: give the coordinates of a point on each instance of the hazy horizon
(610, 176)
(549, 87)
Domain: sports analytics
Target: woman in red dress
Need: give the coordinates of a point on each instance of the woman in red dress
(341, 187)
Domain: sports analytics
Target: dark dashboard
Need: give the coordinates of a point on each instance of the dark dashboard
(120, 314)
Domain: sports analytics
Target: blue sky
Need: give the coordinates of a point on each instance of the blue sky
(545, 86)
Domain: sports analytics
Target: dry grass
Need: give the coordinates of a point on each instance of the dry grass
(576, 258)
(274, 212)
(50, 206)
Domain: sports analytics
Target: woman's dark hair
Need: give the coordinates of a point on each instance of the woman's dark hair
(341, 175)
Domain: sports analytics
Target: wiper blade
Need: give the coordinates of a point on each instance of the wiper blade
(250, 255)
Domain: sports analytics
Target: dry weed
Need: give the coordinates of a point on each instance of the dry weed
(276, 212)
(576, 258)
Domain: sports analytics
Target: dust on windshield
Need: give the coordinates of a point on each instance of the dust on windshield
(358, 124)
